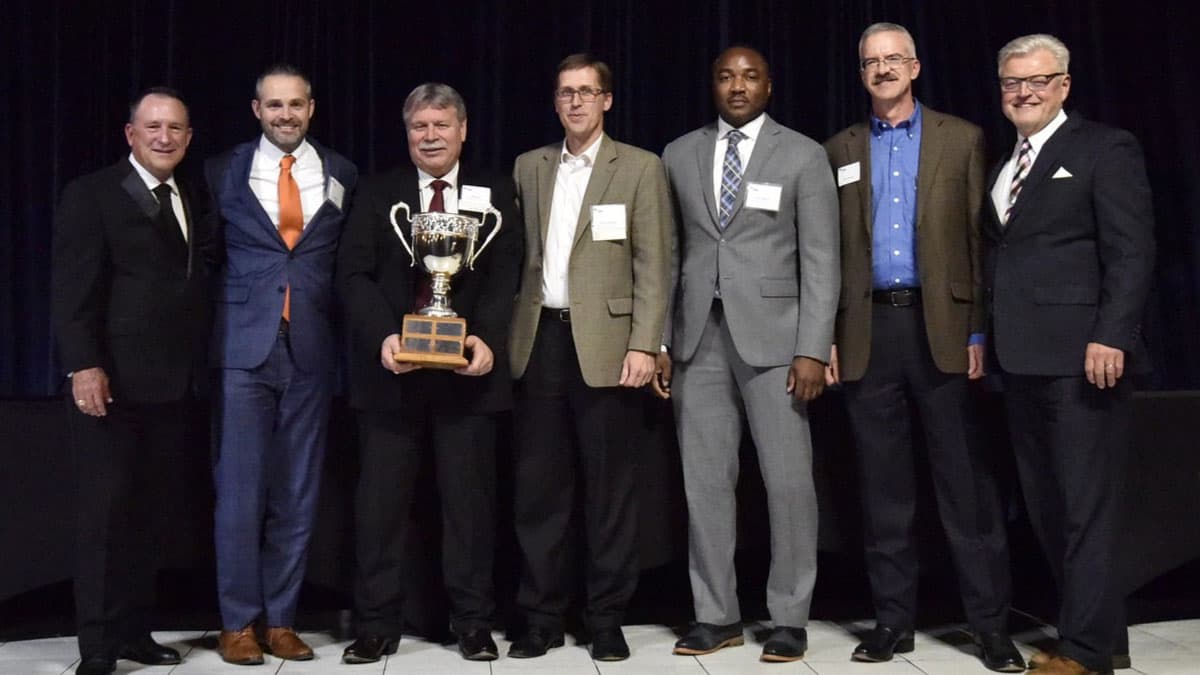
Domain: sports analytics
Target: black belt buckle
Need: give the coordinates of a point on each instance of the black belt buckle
(905, 297)
(563, 314)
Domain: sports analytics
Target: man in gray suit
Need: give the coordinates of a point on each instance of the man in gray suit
(756, 289)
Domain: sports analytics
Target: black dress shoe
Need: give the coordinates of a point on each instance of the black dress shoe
(146, 651)
(785, 644)
(998, 652)
(369, 649)
(535, 642)
(706, 638)
(881, 643)
(608, 644)
(478, 645)
(96, 665)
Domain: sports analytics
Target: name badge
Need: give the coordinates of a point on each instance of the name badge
(763, 196)
(335, 192)
(474, 198)
(608, 222)
(849, 174)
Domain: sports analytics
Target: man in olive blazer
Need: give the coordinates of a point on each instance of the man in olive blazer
(909, 334)
(586, 326)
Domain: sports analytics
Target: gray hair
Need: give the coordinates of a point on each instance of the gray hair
(434, 95)
(885, 27)
(1027, 44)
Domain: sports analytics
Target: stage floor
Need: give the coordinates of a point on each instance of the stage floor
(1162, 648)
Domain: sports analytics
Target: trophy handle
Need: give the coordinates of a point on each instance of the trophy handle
(399, 233)
(496, 230)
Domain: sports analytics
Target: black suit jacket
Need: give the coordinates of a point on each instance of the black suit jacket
(129, 295)
(376, 281)
(1074, 263)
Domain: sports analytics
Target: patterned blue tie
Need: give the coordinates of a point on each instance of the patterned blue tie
(731, 175)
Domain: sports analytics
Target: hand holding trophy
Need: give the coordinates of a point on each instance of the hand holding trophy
(443, 243)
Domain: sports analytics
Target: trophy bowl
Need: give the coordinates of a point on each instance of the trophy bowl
(443, 243)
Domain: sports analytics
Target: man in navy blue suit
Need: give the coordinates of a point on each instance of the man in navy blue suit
(281, 199)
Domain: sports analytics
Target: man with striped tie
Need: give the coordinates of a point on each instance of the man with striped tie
(1069, 251)
(755, 292)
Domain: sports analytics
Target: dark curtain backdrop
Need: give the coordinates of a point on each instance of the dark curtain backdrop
(70, 68)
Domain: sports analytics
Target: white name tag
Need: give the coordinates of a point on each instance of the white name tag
(608, 222)
(764, 196)
(849, 174)
(335, 192)
(474, 198)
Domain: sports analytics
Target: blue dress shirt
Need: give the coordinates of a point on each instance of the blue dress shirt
(895, 154)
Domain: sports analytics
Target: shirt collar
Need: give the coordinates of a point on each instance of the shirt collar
(750, 129)
(1039, 138)
(913, 123)
(588, 156)
(273, 154)
(451, 177)
(149, 179)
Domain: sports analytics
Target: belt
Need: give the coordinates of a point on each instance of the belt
(561, 314)
(897, 297)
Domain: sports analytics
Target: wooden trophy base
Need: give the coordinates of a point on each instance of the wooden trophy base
(433, 342)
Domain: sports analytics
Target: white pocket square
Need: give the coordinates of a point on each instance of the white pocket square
(1062, 173)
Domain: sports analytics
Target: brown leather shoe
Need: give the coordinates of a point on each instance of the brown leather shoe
(239, 647)
(1061, 665)
(1039, 659)
(284, 643)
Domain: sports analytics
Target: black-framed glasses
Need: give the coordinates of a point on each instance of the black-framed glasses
(887, 63)
(1034, 82)
(586, 94)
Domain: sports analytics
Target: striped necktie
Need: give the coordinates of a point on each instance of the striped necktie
(1023, 164)
(731, 175)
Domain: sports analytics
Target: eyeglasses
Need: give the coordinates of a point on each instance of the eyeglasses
(888, 62)
(586, 94)
(1034, 82)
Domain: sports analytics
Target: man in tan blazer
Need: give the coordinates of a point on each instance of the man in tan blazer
(909, 333)
(585, 330)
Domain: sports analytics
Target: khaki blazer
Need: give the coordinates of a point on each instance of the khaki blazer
(618, 288)
(950, 193)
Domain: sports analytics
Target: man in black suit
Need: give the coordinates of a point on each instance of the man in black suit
(131, 314)
(1069, 254)
(403, 408)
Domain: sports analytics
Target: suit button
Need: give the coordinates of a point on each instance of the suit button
(281, 288)
(722, 242)
(1003, 244)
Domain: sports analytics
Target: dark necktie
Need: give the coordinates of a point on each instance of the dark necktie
(424, 291)
(731, 175)
(166, 212)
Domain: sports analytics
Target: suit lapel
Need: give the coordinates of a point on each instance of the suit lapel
(705, 150)
(932, 147)
(147, 203)
(602, 173)
(858, 149)
(240, 164)
(1048, 159)
(546, 170)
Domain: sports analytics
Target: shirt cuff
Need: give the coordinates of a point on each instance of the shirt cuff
(976, 339)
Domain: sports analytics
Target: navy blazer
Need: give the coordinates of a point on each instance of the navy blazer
(259, 267)
(1073, 264)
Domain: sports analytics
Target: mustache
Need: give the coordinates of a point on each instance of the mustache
(890, 77)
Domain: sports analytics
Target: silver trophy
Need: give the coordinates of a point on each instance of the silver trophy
(443, 243)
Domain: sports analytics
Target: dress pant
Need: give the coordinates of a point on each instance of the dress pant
(391, 446)
(901, 375)
(270, 428)
(712, 392)
(122, 466)
(570, 436)
(1072, 445)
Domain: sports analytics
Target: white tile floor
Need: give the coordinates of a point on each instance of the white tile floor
(1168, 648)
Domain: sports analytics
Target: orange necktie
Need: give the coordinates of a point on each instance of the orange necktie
(291, 218)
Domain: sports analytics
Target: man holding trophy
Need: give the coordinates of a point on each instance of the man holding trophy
(383, 274)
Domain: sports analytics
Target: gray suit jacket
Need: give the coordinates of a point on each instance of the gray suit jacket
(618, 288)
(778, 270)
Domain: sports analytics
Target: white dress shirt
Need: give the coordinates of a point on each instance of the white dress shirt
(1003, 184)
(751, 129)
(308, 172)
(152, 182)
(449, 194)
(570, 184)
